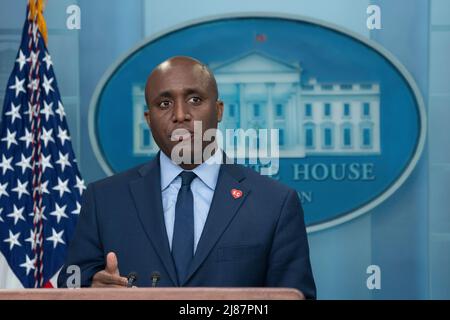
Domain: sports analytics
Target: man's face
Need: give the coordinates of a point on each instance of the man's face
(179, 92)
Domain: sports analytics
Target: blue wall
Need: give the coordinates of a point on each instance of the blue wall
(407, 235)
(400, 233)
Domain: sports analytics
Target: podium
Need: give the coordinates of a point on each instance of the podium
(197, 293)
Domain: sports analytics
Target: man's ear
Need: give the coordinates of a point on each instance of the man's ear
(219, 106)
(147, 117)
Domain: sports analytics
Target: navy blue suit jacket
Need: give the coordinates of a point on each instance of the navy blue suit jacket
(256, 240)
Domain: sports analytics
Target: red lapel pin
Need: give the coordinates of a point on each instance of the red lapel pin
(236, 193)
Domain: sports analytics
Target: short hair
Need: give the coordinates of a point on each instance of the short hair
(204, 67)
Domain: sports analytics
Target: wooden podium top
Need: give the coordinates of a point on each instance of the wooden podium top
(154, 294)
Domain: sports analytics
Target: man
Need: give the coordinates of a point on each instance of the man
(205, 224)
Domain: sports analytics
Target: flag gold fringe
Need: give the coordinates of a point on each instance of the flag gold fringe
(36, 13)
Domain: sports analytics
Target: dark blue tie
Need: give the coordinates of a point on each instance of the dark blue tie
(183, 231)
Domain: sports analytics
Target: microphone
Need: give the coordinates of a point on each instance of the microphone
(132, 277)
(155, 278)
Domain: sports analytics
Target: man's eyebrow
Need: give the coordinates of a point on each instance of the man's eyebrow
(164, 94)
(189, 91)
(186, 91)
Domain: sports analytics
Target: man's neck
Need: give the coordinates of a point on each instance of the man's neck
(189, 166)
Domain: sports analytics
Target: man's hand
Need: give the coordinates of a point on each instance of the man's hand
(110, 276)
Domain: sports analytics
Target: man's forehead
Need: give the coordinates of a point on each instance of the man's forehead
(177, 76)
(179, 67)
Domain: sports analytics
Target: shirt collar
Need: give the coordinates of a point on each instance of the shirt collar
(208, 171)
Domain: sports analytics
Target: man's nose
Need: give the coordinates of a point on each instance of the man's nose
(180, 112)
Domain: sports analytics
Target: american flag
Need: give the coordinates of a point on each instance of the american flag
(40, 185)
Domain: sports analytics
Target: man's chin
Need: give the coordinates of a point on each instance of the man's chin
(184, 153)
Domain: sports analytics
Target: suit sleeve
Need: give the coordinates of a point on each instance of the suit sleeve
(289, 263)
(85, 249)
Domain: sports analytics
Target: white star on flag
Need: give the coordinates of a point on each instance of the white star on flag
(45, 162)
(60, 111)
(21, 60)
(80, 185)
(43, 187)
(14, 113)
(47, 84)
(6, 164)
(77, 210)
(56, 237)
(21, 188)
(27, 137)
(47, 111)
(10, 138)
(33, 85)
(48, 60)
(31, 111)
(59, 212)
(33, 58)
(13, 240)
(17, 214)
(46, 136)
(28, 264)
(63, 161)
(35, 218)
(62, 187)
(33, 239)
(3, 191)
(1, 219)
(18, 86)
(63, 135)
(24, 163)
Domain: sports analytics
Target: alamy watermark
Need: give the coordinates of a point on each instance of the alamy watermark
(374, 280)
(251, 146)
(73, 21)
(73, 281)
(374, 19)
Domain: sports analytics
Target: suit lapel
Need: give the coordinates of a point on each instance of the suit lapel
(223, 208)
(146, 193)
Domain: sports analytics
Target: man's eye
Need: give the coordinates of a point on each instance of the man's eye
(164, 104)
(195, 100)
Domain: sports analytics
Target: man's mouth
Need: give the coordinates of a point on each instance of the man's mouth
(181, 136)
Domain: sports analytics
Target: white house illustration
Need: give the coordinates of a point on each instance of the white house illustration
(312, 118)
